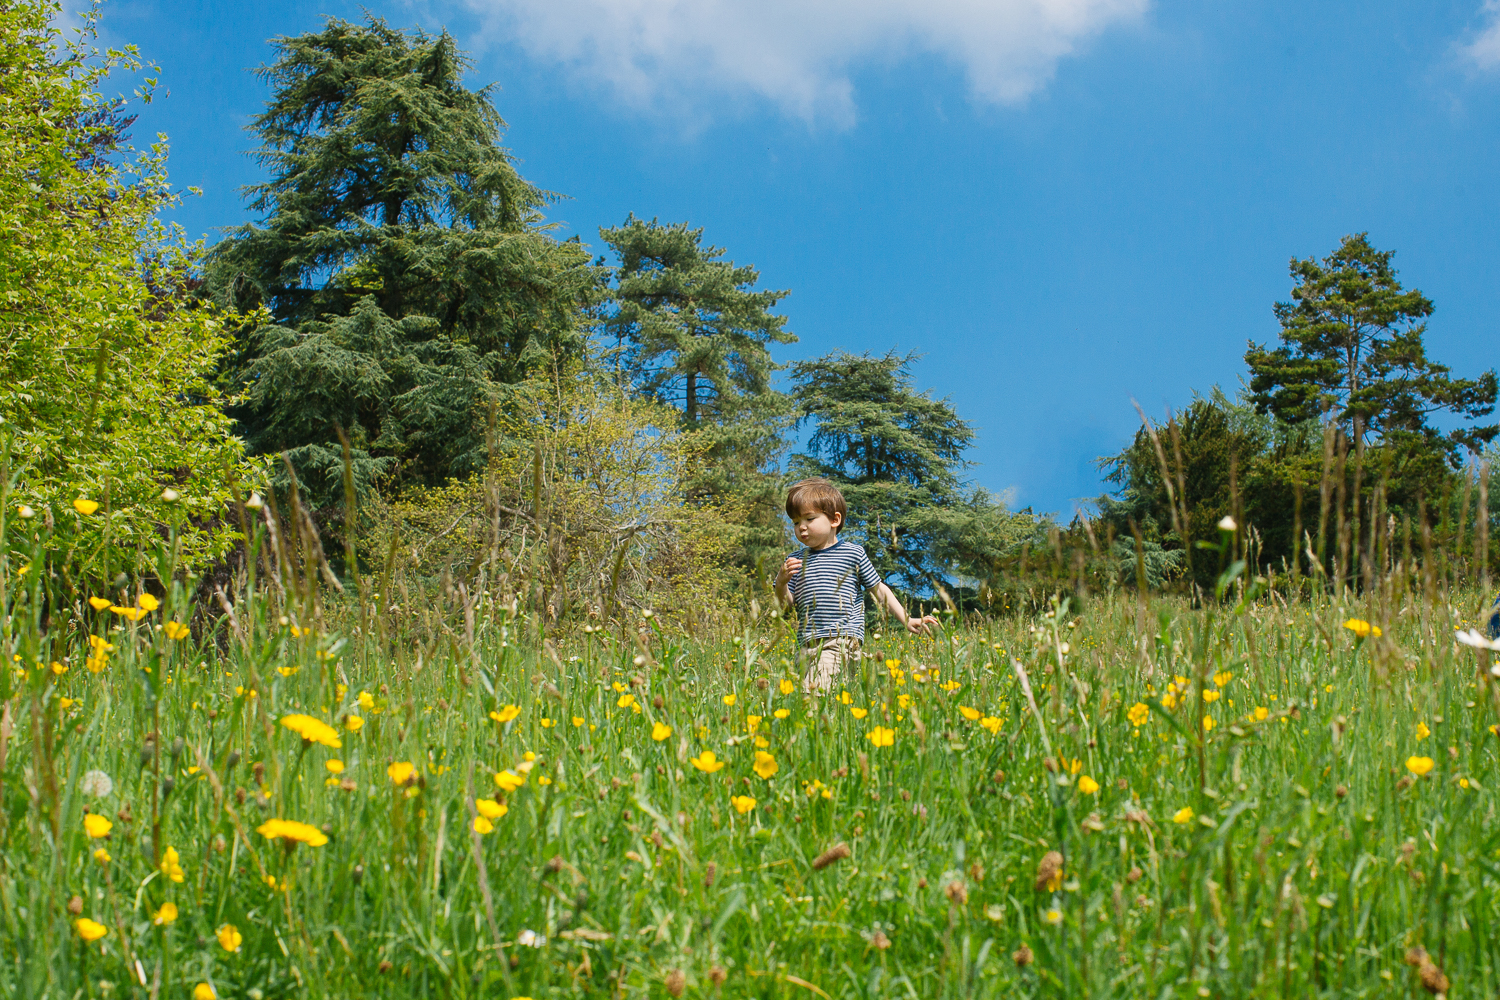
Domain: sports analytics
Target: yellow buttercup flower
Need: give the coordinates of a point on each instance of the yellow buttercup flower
(761, 742)
(400, 772)
(490, 809)
(707, 762)
(291, 831)
(353, 723)
(1223, 678)
(577, 721)
(313, 730)
(129, 614)
(334, 766)
(1422, 731)
(176, 630)
(859, 713)
(366, 700)
(102, 856)
(992, 724)
(1419, 765)
(950, 685)
(765, 765)
(1183, 815)
(89, 930)
(85, 507)
(1363, 629)
(729, 699)
(660, 731)
(1138, 714)
(1210, 696)
(483, 826)
(742, 803)
(1260, 713)
(1208, 723)
(506, 713)
(97, 826)
(752, 722)
(845, 698)
(972, 714)
(1087, 785)
(229, 937)
(166, 915)
(881, 736)
(782, 713)
(626, 701)
(786, 686)
(203, 991)
(509, 781)
(902, 700)
(171, 864)
(99, 603)
(147, 602)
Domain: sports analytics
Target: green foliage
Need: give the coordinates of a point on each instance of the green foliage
(105, 356)
(581, 514)
(896, 454)
(691, 330)
(405, 264)
(1288, 849)
(1352, 351)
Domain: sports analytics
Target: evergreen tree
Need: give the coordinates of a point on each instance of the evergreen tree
(896, 454)
(692, 330)
(404, 264)
(1351, 351)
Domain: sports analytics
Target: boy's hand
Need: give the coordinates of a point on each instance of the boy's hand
(918, 626)
(789, 569)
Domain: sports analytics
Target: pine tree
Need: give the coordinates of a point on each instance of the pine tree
(897, 454)
(1352, 351)
(691, 329)
(405, 265)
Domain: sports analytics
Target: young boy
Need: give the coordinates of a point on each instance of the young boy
(828, 584)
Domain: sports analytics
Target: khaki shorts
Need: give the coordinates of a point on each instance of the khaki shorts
(825, 659)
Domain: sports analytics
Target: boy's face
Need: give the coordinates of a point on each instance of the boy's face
(816, 529)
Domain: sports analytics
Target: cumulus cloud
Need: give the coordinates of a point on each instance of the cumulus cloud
(1484, 50)
(798, 54)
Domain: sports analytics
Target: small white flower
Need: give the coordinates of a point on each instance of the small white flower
(172, 496)
(1473, 638)
(255, 502)
(26, 512)
(96, 784)
(1227, 523)
(1063, 648)
(530, 939)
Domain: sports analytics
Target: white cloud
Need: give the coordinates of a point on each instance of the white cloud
(1484, 50)
(798, 54)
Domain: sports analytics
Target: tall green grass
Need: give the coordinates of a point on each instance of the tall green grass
(1291, 855)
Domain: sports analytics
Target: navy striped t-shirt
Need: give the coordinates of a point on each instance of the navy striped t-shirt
(829, 591)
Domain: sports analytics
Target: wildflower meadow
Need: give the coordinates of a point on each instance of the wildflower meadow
(1129, 797)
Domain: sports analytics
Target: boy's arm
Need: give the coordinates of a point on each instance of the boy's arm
(784, 579)
(887, 599)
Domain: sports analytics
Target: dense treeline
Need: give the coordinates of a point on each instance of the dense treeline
(399, 335)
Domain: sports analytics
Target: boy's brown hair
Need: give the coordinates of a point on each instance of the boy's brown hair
(819, 495)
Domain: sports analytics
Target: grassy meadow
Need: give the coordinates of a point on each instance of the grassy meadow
(419, 795)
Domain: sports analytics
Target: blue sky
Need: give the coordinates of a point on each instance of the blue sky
(1062, 205)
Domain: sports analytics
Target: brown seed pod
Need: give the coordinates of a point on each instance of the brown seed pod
(675, 982)
(1050, 872)
(1134, 875)
(710, 871)
(1433, 980)
(75, 905)
(1022, 956)
(837, 852)
(718, 974)
(957, 892)
(879, 940)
